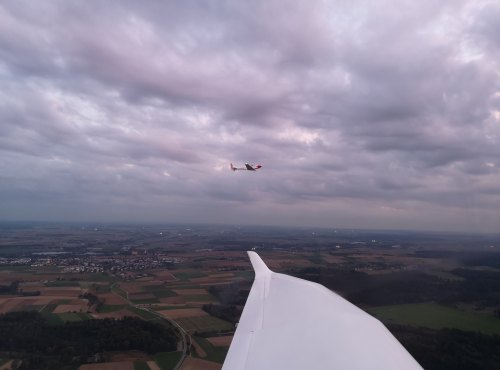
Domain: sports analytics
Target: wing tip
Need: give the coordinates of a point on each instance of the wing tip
(258, 265)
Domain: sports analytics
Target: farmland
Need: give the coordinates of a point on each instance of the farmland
(195, 282)
(435, 316)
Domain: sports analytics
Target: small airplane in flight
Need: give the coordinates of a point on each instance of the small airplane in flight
(248, 167)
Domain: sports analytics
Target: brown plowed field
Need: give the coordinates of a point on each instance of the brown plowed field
(222, 275)
(60, 292)
(183, 312)
(127, 356)
(132, 287)
(7, 365)
(31, 285)
(224, 341)
(70, 308)
(44, 300)
(173, 300)
(198, 364)
(112, 299)
(190, 291)
(7, 304)
(164, 276)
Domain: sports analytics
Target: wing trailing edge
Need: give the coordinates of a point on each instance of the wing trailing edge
(293, 324)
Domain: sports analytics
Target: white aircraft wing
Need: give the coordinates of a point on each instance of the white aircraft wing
(290, 323)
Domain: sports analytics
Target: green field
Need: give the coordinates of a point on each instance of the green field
(99, 277)
(444, 275)
(185, 286)
(96, 287)
(145, 301)
(204, 324)
(146, 315)
(163, 293)
(119, 291)
(247, 275)
(62, 301)
(167, 360)
(105, 308)
(141, 365)
(16, 269)
(63, 283)
(200, 298)
(163, 308)
(185, 276)
(28, 307)
(52, 318)
(435, 316)
(48, 308)
(72, 316)
(316, 258)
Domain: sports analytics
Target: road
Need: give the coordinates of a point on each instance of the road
(186, 338)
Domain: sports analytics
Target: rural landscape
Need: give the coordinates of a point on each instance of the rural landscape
(105, 297)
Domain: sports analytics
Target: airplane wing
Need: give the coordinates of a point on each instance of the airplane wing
(250, 168)
(291, 324)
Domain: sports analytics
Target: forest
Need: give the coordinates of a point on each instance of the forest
(450, 349)
(29, 336)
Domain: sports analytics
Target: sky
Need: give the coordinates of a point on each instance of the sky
(363, 114)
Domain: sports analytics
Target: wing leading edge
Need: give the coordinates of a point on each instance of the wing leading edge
(290, 323)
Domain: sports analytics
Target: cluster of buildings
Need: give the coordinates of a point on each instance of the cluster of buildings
(94, 264)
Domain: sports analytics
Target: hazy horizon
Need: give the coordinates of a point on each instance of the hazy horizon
(235, 226)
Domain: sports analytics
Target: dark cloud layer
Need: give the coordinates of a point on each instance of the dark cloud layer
(364, 114)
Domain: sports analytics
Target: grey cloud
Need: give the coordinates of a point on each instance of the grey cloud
(486, 24)
(348, 105)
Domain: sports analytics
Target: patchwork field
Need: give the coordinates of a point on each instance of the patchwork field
(209, 352)
(176, 294)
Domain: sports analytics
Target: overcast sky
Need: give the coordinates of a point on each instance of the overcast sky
(364, 114)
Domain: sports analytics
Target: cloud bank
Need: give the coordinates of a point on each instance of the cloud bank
(363, 114)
